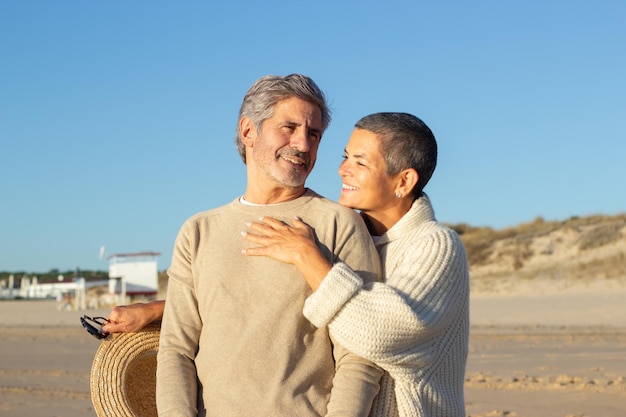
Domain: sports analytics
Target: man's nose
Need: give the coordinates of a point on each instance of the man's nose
(301, 141)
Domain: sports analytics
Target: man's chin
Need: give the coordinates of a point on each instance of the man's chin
(296, 179)
(293, 184)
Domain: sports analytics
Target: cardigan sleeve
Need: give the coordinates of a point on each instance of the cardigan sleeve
(385, 322)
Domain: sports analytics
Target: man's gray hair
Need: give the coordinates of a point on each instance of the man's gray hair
(258, 103)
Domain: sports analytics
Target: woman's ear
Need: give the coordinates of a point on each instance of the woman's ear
(407, 181)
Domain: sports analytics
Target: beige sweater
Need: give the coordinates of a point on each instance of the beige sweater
(415, 325)
(235, 324)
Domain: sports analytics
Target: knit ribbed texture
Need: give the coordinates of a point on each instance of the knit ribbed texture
(333, 292)
(415, 325)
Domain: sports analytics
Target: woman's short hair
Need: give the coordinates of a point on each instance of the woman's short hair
(405, 142)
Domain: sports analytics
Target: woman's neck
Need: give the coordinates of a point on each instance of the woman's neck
(378, 222)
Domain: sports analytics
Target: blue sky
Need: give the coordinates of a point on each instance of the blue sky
(117, 118)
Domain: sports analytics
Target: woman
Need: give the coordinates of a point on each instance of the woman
(414, 325)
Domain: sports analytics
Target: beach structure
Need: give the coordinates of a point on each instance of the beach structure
(134, 274)
(30, 287)
(131, 275)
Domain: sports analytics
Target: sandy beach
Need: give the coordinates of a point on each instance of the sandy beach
(539, 350)
(548, 353)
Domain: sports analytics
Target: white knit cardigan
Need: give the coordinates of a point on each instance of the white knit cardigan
(415, 325)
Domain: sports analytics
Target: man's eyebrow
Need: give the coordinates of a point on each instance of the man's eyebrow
(316, 130)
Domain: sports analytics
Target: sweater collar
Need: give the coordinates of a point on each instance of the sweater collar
(304, 199)
(421, 211)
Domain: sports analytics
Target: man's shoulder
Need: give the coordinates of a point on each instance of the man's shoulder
(323, 203)
(325, 214)
(209, 214)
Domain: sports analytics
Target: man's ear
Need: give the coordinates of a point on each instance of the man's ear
(248, 131)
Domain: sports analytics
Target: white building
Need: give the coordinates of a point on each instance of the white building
(130, 275)
(134, 273)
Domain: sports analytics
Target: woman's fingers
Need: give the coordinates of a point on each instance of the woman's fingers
(272, 222)
(268, 226)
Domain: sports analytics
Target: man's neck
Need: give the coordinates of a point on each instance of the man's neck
(276, 196)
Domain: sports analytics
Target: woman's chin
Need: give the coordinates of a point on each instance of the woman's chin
(345, 201)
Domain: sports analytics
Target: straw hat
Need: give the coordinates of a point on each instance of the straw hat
(123, 374)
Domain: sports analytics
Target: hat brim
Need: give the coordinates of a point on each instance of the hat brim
(123, 374)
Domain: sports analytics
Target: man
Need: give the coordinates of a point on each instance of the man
(234, 341)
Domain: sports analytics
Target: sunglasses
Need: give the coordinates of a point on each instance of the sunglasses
(93, 325)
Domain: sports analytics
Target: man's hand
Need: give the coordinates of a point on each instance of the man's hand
(133, 317)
